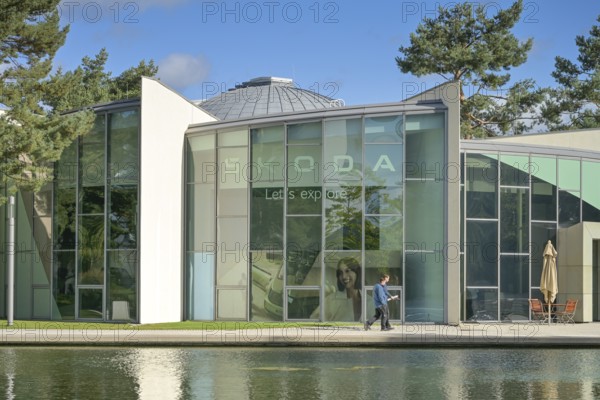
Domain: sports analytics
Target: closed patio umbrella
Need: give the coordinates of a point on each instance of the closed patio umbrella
(548, 281)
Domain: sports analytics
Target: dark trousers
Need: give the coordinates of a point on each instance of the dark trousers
(382, 312)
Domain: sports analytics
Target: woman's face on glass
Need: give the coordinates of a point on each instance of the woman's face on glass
(346, 276)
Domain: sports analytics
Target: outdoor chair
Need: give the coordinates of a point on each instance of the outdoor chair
(567, 315)
(537, 311)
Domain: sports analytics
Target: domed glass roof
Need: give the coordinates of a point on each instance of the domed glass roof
(265, 96)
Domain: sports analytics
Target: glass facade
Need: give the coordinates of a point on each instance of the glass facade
(77, 239)
(300, 221)
(514, 203)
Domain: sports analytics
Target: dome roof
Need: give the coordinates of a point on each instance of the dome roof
(264, 96)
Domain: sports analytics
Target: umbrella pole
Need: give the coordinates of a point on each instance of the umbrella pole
(549, 312)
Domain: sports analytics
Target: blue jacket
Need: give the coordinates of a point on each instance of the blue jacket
(380, 295)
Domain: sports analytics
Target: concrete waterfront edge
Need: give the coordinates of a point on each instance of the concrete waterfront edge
(404, 335)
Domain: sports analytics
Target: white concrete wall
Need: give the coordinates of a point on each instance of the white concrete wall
(165, 116)
(585, 139)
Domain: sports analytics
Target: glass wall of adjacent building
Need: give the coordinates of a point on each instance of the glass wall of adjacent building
(297, 221)
(77, 239)
(513, 204)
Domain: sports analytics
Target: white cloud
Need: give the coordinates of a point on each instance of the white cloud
(182, 70)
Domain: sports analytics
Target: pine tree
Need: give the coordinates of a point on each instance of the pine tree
(463, 44)
(32, 135)
(575, 104)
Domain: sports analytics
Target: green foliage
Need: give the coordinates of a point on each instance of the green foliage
(90, 83)
(32, 135)
(575, 103)
(463, 44)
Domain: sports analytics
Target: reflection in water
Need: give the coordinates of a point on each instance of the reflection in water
(298, 373)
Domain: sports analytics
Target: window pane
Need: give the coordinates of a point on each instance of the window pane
(91, 250)
(123, 217)
(267, 286)
(481, 184)
(64, 219)
(266, 220)
(425, 146)
(424, 214)
(302, 303)
(201, 166)
(514, 170)
(543, 198)
(303, 249)
(383, 233)
(383, 200)
(201, 216)
(343, 288)
(122, 285)
(385, 129)
(308, 133)
(568, 208)
(514, 223)
(268, 153)
(343, 151)
(540, 234)
(424, 289)
(514, 288)
(482, 304)
(63, 285)
(90, 304)
(304, 180)
(232, 265)
(232, 304)
(568, 174)
(383, 165)
(482, 253)
(343, 226)
(233, 138)
(379, 262)
(233, 184)
(591, 191)
(124, 147)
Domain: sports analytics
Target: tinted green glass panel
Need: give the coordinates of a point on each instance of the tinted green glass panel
(514, 220)
(424, 214)
(482, 253)
(201, 217)
(384, 129)
(482, 304)
(514, 288)
(342, 160)
(383, 165)
(568, 208)
(514, 170)
(308, 133)
(568, 174)
(383, 233)
(302, 303)
(266, 220)
(540, 234)
(268, 163)
(343, 224)
(424, 288)
(591, 191)
(267, 286)
(383, 200)
(90, 304)
(425, 146)
(64, 218)
(201, 164)
(481, 184)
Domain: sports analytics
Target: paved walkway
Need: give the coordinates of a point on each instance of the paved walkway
(464, 335)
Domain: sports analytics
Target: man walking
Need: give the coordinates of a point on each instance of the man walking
(380, 298)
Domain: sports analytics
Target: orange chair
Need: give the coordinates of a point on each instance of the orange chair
(537, 311)
(567, 315)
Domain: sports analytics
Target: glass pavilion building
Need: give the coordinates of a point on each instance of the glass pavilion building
(269, 202)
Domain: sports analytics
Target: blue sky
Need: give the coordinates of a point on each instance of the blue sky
(343, 49)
